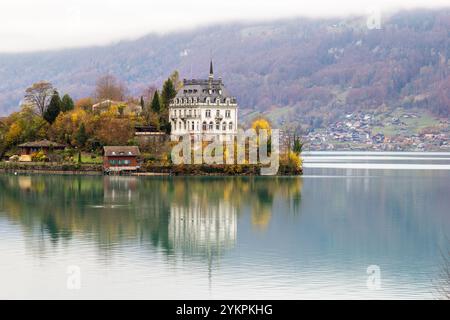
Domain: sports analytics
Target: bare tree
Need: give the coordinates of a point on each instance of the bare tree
(108, 87)
(39, 96)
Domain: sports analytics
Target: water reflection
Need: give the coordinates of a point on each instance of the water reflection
(194, 216)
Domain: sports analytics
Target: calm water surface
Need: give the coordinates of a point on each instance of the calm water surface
(265, 237)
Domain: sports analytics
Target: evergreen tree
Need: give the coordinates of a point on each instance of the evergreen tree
(167, 94)
(81, 136)
(53, 109)
(142, 103)
(156, 106)
(298, 145)
(67, 103)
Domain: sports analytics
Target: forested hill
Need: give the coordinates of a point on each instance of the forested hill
(304, 64)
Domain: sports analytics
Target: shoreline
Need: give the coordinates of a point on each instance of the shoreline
(91, 169)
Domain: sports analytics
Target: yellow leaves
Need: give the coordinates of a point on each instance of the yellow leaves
(261, 123)
(295, 159)
(77, 115)
(13, 134)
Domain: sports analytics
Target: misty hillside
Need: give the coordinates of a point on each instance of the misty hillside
(324, 66)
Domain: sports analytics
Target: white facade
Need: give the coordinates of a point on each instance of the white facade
(203, 107)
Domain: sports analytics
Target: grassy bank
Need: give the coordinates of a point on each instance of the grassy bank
(175, 170)
(50, 167)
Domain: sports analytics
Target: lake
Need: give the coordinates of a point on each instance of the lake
(356, 225)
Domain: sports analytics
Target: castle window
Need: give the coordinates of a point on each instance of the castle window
(217, 125)
(217, 113)
(230, 126)
(204, 126)
(211, 125)
(224, 126)
(207, 100)
(227, 114)
(190, 112)
(208, 113)
(192, 125)
(218, 101)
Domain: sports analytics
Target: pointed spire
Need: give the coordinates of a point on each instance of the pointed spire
(211, 72)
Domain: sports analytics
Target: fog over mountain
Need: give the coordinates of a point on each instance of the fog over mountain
(308, 65)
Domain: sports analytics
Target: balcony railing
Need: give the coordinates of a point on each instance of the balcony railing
(185, 117)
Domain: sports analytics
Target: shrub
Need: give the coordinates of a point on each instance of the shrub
(39, 157)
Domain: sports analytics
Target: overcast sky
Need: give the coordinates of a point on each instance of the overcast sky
(28, 25)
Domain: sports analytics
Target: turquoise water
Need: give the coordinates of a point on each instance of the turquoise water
(241, 238)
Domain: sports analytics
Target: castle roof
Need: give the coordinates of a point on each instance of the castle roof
(204, 88)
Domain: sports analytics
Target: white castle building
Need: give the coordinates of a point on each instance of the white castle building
(204, 107)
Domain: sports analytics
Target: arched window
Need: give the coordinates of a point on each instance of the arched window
(224, 126)
(192, 125)
(208, 100)
(217, 125)
(211, 125)
(230, 126)
(204, 126)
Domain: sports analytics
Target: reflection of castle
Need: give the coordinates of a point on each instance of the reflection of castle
(203, 229)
